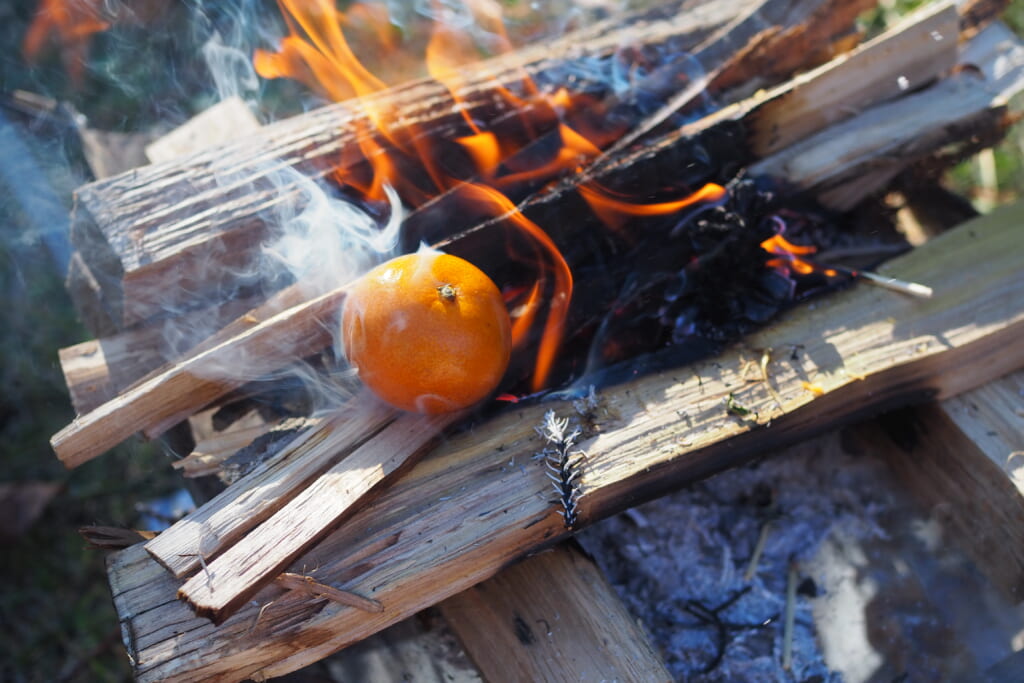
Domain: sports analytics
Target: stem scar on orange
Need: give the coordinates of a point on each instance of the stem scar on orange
(428, 332)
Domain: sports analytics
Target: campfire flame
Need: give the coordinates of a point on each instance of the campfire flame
(72, 23)
(788, 255)
(559, 136)
(559, 132)
(615, 212)
(317, 53)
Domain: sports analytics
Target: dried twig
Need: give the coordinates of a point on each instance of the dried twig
(308, 584)
(790, 618)
(758, 550)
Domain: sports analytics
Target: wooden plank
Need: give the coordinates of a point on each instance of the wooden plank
(911, 54)
(228, 120)
(961, 459)
(191, 222)
(481, 500)
(875, 146)
(229, 581)
(190, 394)
(164, 399)
(206, 532)
(552, 617)
(96, 371)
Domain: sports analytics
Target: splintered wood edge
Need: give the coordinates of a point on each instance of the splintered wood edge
(230, 580)
(189, 385)
(203, 534)
(900, 60)
(481, 501)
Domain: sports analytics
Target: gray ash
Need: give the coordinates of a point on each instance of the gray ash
(681, 563)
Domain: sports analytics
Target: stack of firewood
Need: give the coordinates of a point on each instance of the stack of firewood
(295, 559)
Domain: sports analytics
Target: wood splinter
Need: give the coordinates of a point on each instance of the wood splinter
(307, 584)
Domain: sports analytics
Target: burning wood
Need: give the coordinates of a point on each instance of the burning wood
(542, 183)
(193, 221)
(849, 345)
(907, 48)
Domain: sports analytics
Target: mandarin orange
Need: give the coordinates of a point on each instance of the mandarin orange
(428, 332)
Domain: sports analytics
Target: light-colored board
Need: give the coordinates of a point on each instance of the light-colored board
(481, 500)
(227, 121)
(206, 532)
(230, 580)
(172, 393)
(852, 159)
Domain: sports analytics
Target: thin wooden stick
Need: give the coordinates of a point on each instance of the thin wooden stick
(789, 620)
(309, 585)
(254, 561)
(755, 558)
(480, 500)
(205, 533)
(167, 398)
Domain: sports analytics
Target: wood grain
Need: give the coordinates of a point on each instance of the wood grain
(481, 501)
(205, 533)
(175, 392)
(230, 580)
(552, 617)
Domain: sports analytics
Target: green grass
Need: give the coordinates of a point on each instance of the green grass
(55, 603)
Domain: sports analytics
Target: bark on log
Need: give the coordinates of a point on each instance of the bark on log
(552, 617)
(190, 222)
(481, 501)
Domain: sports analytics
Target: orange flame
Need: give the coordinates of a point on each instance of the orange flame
(554, 263)
(615, 212)
(317, 54)
(72, 23)
(789, 257)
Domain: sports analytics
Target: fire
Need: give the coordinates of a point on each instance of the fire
(788, 259)
(318, 53)
(72, 23)
(615, 212)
